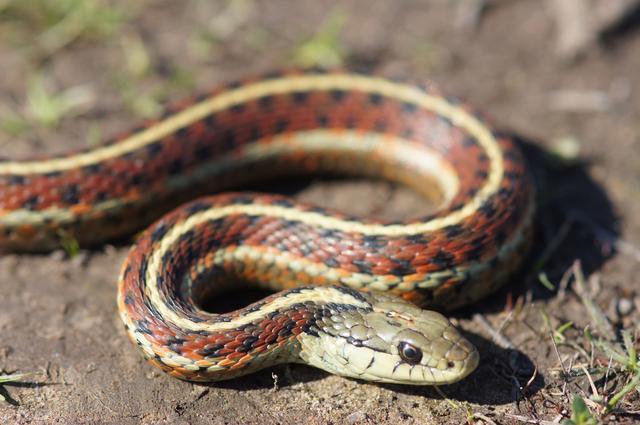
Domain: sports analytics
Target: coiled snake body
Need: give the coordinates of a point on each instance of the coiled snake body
(349, 286)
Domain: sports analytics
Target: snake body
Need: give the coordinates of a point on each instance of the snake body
(349, 286)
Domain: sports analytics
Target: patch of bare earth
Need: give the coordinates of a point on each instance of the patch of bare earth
(58, 315)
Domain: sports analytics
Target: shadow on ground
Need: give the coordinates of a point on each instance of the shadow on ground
(6, 395)
(512, 373)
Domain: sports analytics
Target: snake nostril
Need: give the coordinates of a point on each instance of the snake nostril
(450, 364)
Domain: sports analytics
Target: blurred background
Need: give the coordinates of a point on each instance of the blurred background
(560, 75)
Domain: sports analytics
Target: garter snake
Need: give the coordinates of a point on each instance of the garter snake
(349, 287)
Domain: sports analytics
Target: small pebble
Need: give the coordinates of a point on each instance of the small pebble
(624, 306)
(57, 255)
(110, 250)
(356, 417)
(567, 148)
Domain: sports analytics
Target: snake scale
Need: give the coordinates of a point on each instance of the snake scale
(349, 287)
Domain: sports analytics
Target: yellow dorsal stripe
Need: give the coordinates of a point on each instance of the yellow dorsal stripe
(227, 99)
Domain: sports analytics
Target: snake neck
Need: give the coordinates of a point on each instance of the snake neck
(196, 345)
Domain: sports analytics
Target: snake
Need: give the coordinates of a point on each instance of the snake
(348, 293)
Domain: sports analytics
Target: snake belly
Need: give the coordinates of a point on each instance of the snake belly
(350, 286)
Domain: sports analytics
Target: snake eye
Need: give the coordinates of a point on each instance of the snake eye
(410, 353)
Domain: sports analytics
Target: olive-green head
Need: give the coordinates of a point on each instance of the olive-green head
(393, 341)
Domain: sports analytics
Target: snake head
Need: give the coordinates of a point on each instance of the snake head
(392, 342)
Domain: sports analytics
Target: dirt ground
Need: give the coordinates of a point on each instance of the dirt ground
(61, 89)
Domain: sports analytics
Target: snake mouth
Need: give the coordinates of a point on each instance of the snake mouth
(461, 360)
(465, 367)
